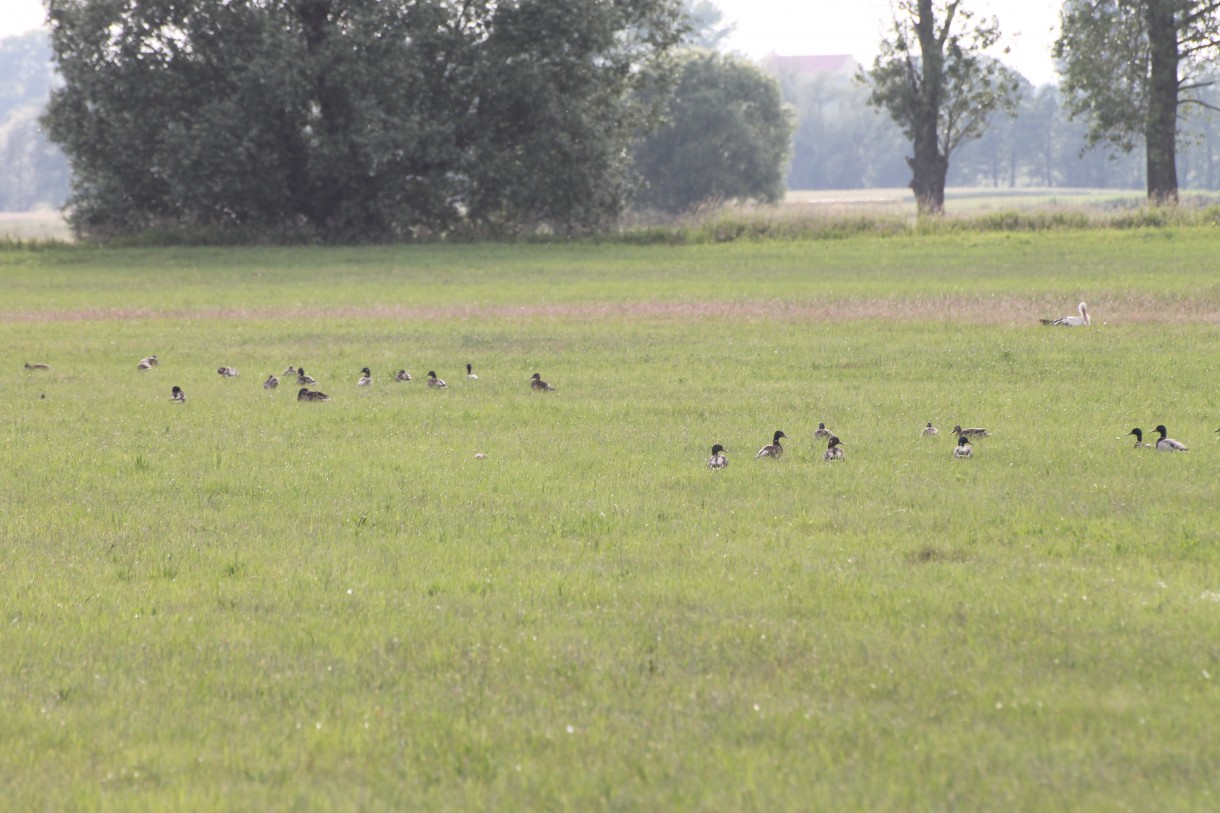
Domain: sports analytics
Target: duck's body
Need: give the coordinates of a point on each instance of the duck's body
(470, 373)
(291, 372)
(930, 431)
(271, 383)
(772, 449)
(311, 395)
(227, 372)
(537, 383)
(433, 381)
(974, 432)
(37, 366)
(402, 375)
(303, 378)
(366, 377)
(822, 433)
(1167, 444)
(177, 395)
(1139, 439)
(1082, 320)
(717, 460)
(834, 450)
(148, 362)
(962, 449)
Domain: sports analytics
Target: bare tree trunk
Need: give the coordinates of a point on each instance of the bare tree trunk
(928, 166)
(1160, 130)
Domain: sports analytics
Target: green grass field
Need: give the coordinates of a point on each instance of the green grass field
(249, 603)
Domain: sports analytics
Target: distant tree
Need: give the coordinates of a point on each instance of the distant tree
(708, 29)
(1129, 66)
(33, 172)
(937, 84)
(354, 119)
(727, 137)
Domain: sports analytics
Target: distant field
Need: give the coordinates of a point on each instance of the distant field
(248, 603)
(40, 225)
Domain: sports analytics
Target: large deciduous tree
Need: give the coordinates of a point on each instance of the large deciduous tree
(1129, 66)
(727, 136)
(353, 119)
(933, 78)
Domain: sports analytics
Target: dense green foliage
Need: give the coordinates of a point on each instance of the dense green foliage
(726, 137)
(353, 119)
(1129, 66)
(247, 603)
(933, 79)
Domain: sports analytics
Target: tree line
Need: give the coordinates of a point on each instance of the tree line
(375, 119)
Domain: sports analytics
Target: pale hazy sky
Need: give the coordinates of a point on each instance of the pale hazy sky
(792, 27)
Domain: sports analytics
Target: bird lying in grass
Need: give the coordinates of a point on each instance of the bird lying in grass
(311, 395)
(772, 449)
(1071, 321)
(962, 449)
(537, 383)
(433, 381)
(971, 433)
(717, 460)
(930, 431)
(834, 450)
(1139, 439)
(227, 372)
(177, 395)
(1167, 444)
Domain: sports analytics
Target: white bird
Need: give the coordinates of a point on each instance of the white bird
(1166, 444)
(1071, 321)
(962, 450)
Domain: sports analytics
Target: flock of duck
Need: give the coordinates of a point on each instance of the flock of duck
(834, 447)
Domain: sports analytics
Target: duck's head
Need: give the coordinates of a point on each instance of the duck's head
(929, 424)
(1139, 434)
(833, 442)
(536, 376)
(821, 425)
(432, 374)
(717, 449)
(1160, 427)
(176, 389)
(963, 441)
(778, 434)
(303, 391)
(366, 371)
(469, 369)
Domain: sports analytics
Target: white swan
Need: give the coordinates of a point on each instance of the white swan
(1071, 321)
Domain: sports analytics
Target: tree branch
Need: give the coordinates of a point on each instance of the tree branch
(1199, 102)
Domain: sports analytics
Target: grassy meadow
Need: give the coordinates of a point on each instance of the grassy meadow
(249, 603)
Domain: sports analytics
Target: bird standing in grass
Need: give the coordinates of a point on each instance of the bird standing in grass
(470, 373)
(271, 383)
(1139, 439)
(366, 377)
(1071, 321)
(971, 433)
(1167, 444)
(963, 449)
(177, 395)
(433, 381)
(772, 449)
(717, 460)
(537, 383)
(311, 395)
(834, 450)
(930, 431)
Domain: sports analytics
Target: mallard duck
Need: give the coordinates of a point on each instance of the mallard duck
(366, 377)
(821, 433)
(291, 372)
(307, 395)
(963, 448)
(537, 383)
(930, 431)
(971, 433)
(177, 395)
(271, 383)
(402, 375)
(470, 373)
(717, 460)
(834, 449)
(1139, 439)
(37, 366)
(227, 372)
(148, 361)
(1071, 321)
(772, 449)
(303, 378)
(433, 381)
(1167, 444)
